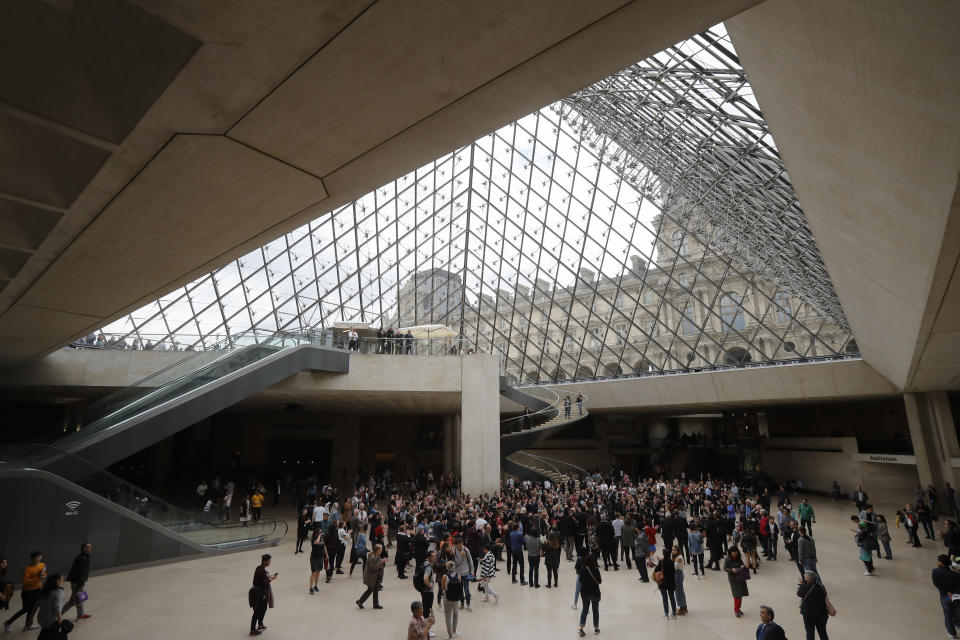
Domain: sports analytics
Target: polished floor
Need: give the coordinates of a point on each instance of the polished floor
(207, 599)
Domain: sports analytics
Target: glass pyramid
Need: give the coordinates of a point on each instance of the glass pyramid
(642, 225)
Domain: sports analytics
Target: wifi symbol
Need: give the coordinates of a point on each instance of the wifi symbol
(73, 505)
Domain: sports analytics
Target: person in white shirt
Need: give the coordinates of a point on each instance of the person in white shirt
(345, 543)
(617, 530)
(318, 513)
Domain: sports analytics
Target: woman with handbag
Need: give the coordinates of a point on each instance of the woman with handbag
(359, 552)
(664, 574)
(590, 591)
(815, 607)
(737, 575)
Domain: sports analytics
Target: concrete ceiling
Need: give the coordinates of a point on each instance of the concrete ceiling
(144, 143)
(862, 99)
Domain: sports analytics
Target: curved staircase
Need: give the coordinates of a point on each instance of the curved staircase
(523, 432)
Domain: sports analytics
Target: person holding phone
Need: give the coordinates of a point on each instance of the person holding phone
(261, 595)
(419, 626)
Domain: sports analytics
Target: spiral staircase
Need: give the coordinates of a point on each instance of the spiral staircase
(518, 433)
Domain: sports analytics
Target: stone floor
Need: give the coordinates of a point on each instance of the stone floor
(206, 598)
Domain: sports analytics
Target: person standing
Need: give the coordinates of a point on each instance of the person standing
(551, 559)
(860, 498)
(419, 626)
(813, 605)
(733, 565)
(768, 629)
(580, 403)
(628, 540)
(807, 517)
(372, 576)
(590, 580)
(465, 568)
(452, 587)
(303, 529)
(353, 339)
(256, 504)
(951, 499)
(32, 581)
(911, 524)
(261, 595)
(695, 543)
(664, 573)
(423, 582)
(806, 552)
(947, 583)
(566, 407)
(49, 606)
(516, 552)
(883, 534)
(79, 573)
(678, 582)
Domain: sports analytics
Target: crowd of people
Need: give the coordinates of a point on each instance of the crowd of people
(42, 598)
(451, 545)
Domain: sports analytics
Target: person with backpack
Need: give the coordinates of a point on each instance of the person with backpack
(452, 586)
(488, 571)
(423, 582)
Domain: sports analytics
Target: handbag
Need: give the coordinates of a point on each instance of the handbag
(82, 596)
(658, 577)
(744, 574)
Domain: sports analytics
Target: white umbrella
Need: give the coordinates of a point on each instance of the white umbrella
(429, 331)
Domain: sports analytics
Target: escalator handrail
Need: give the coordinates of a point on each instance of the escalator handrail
(553, 406)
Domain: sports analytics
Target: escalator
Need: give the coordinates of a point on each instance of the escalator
(175, 398)
(61, 494)
(523, 432)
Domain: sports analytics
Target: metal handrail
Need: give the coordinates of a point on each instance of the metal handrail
(553, 462)
(552, 406)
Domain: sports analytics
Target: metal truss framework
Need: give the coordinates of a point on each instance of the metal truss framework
(643, 224)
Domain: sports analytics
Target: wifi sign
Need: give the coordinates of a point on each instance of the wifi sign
(72, 508)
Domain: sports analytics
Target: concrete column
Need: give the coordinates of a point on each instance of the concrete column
(934, 437)
(479, 424)
(450, 446)
(345, 453)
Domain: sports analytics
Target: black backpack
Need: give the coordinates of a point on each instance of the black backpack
(418, 581)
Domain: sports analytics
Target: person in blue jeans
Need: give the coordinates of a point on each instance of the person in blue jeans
(947, 583)
(590, 580)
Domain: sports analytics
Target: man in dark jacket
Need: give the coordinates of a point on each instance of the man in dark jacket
(768, 629)
(947, 583)
(568, 531)
(79, 573)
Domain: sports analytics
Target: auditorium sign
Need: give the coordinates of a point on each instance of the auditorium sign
(887, 458)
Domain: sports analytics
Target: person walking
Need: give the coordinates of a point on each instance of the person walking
(419, 627)
(737, 575)
(256, 504)
(590, 580)
(261, 595)
(664, 574)
(813, 605)
(372, 576)
(768, 629)
(303, 529)
(452, 587)
(947, 583)
(32, 583)
(488, 571)
(79, 573)
(49, 606)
